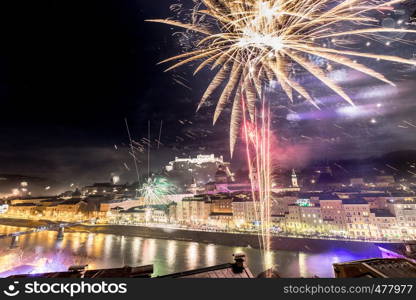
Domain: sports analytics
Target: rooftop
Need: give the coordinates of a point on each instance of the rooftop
(195, 198)
(326, 196)
(401, 194)
(136, 209)
(25, 204)
(221, 214)
(72, 201)
(374, 195)
(402, 201)
(52, 200)
(376, 268)
(382, 213)
(353, 201)
(241, 199)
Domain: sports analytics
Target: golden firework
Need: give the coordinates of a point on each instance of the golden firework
(249, 41)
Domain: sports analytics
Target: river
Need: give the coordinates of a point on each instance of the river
(41, 252)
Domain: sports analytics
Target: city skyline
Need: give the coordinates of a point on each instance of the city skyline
(67, 108)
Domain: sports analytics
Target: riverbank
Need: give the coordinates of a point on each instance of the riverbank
(219, 238)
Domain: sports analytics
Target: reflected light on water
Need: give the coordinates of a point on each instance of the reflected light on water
(149, 251)
(62, 243)
(75, 242)
(171, 253)
(50, 240)
(89, 244)
(8, 261)
(122, 244)
(210, 254)
(41, 252)
(192, 253)
(303, 268)
(135, 249)
(269, 261)
(98, 245)
(108, 245)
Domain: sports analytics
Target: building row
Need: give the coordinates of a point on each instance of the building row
(356, 215)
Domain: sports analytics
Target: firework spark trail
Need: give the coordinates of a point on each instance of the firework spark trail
(160, 134)
(251, 171)
(148, 149)
(132, 151)
(257, 139)
(249, 42)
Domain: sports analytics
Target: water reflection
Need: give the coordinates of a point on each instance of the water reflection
(108, 244)
(303, 267)
(135, 244)
(148, 252)
(171, 253)
(210, 254)
(193, 255)
(41, 252)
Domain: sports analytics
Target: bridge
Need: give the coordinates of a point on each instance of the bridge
(59, 227)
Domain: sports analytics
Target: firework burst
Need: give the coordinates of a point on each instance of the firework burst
(251, 41)
(155, 190)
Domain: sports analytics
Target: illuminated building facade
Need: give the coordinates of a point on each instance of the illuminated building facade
(107, 189)
(194, 210)
(405, 212)
(357, 218)
(244, 212)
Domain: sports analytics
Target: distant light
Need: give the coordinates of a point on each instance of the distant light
(350, 111)
(116, 179)
(388, 43)
(373, 121)
(47, 188)
(293, 117)
(24, 183)
(379, 105)
(368, 44)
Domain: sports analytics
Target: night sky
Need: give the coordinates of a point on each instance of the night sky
(72, 71)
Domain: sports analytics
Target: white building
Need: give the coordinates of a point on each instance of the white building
(199, 170)
(244, 212)
(357, 218)
(405, 212)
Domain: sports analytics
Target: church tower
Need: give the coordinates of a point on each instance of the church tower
(294, 179)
